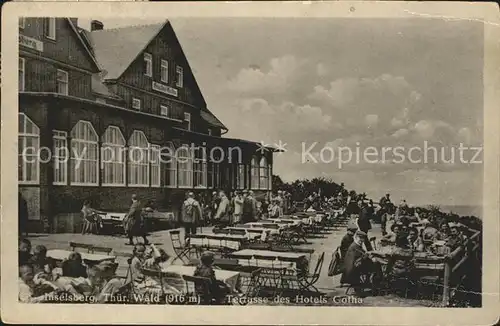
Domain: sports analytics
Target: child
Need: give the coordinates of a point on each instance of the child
(73, 267)
(40, 262)
(218, 290)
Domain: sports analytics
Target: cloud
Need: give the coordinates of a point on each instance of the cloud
(371, 120)
(400, 133)
(280, 75)
(321, 69)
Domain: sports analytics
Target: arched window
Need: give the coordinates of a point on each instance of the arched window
(254, 171)
(29, 145)
(113, 157)
(200, 167)
(185, 166)
(168, 155)
(138, 160)
(263, 173)
(155, 165)
(84, 155)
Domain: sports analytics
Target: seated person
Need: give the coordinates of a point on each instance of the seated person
(414, 240)
(73, 267)
(401, 263)
(357, 264)
(443, 233)
(348, 239)
(218, 290)
(27, 286)
(24, 251)
(390, 238)
(454, 240)
(40, 262)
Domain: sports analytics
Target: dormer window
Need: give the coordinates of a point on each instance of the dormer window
(187, 118)
(164, 71)
(180, 76)
(136, 104)
(50, 28)
(148, 65)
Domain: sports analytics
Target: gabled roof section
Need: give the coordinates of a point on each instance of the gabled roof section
(116, 48)
(84, 44)
(98, 87)
(211, 119)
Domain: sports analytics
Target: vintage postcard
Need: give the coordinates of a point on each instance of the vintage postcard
(250, 163)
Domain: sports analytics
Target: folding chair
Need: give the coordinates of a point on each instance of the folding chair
(199, 287)
(181, 251)
(75, 245)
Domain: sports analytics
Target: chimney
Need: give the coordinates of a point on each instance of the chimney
(96, 25)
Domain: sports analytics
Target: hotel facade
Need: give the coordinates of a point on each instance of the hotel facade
(107, 113)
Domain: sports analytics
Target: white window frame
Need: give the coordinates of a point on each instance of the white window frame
(171, 168)
(135, 100)
(148, 60)
(60, 140)
(22, 22)
(155, 165)
(254, 173)
(187, 117)
(64, 81)
(22, 67)
(187, 168)
(164, 71)
(263, 179)
(180, 76)
(200, 169)
(51, 21)
(76, 142)
(22, 138)
(113, 139)
(143, 163)
(240, 176)
(209, 131)
(162, 107)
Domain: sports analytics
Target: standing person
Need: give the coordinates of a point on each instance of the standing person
(364, 224)
(248, 208)
(133, 222)
(238, 207)
(22, 216)
(222, 215)
(191, 214)
(385, 203)
(265, 209)
(214, 205)
(280, 202)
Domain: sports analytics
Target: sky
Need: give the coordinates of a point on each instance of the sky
(326, 83)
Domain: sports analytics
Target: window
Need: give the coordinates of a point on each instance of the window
(136, 103)
(164, 71)
(254, 173)
(200, 168)
(164, 110)
(62, 82)
(185, 166)
(180, 76)
(209, 132)
(270, 173)
(263, 174)
(240, 183)
(22, 22)
(60, 157)
(171, 165)
(28, 147)
(187, 118)
(22, 74)
(155, 165)
(148, 65)
(138, 163)
(50, 28)
(84, 155)
(113, 157)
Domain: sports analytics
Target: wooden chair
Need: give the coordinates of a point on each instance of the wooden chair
(200, 287)
(75, 245)
(181, 251)
(105, 250)
(309, 280)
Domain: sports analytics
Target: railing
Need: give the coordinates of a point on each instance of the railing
(453, 263)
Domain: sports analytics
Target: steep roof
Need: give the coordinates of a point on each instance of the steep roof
(116, 48)
(211, 119)
(84, 44)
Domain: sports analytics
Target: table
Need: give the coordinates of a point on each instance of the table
(271, 255)
(113, 216)
(228, 277)
(220, 242)
(423, 260)
(254, 230)
(61, 254)
(285, 221)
